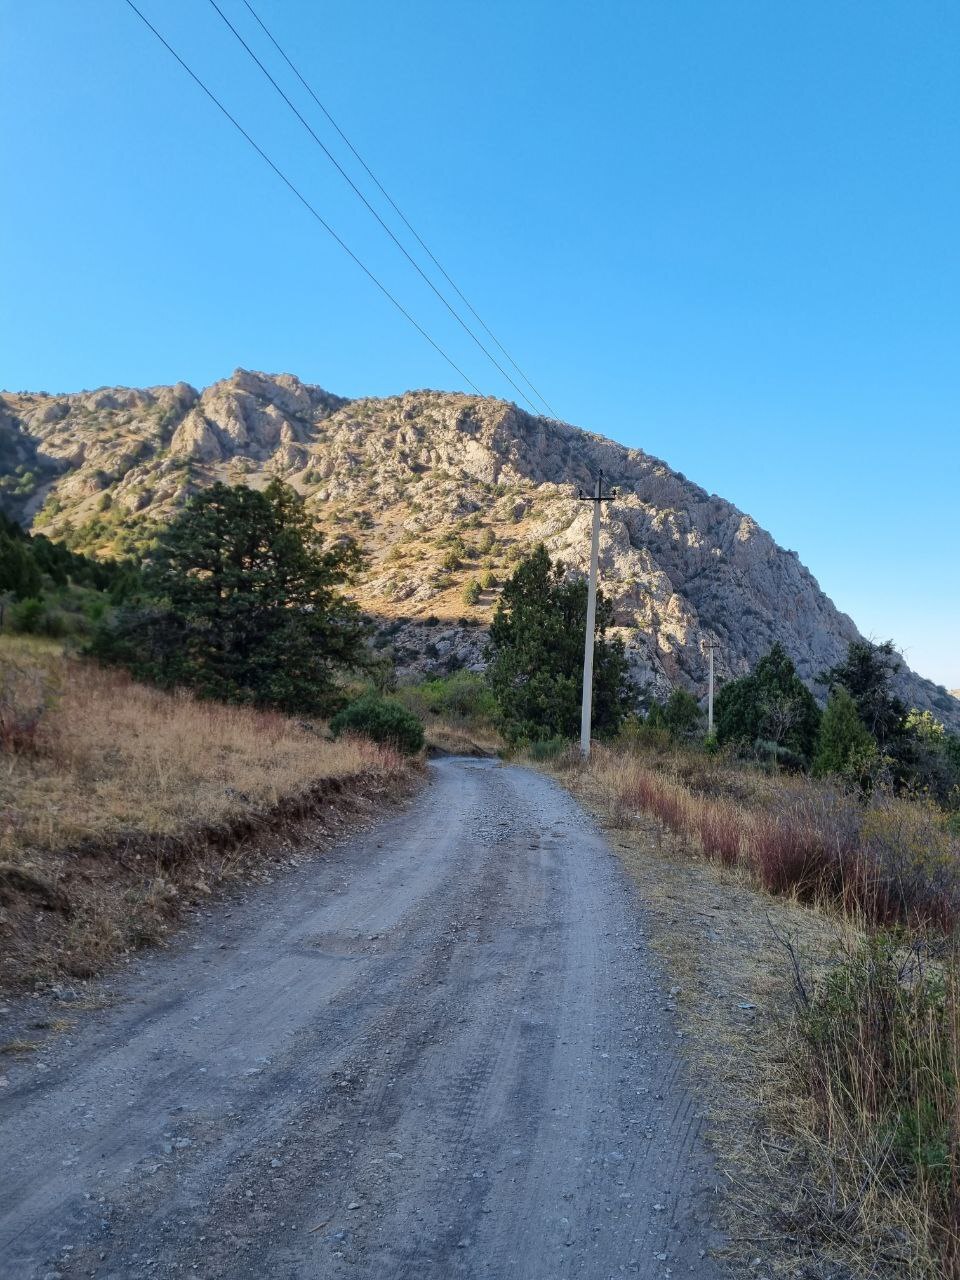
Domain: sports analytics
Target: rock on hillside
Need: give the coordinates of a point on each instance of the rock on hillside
(445, 491)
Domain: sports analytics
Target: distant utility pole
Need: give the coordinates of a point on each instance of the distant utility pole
(586, 713)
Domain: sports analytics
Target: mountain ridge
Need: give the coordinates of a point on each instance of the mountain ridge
(443, 489)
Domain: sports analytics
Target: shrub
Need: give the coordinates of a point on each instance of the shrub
(719, 827)
(549, 749)
(788, 856)
(385, 722)
(881, 1045)
(637, 734)
(471, 592)
(843, 742)
(28, 616)
(464, 696)
(680, 715)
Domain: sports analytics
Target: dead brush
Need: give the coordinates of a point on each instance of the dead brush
(878, 1052)
(25, 694)
(720, 829)
(788, 855)
(893, 859)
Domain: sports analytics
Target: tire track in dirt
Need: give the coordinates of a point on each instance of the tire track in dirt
(440, 1050)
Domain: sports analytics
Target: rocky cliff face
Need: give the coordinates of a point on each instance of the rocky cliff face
(444, 491)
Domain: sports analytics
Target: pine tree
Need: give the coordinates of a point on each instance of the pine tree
(19, 574)
(242, 603)
(844, 742)
(770, 710)
(536, 655)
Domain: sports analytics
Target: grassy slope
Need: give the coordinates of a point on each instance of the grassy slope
(120, 802)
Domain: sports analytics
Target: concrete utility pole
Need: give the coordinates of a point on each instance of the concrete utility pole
(710, 694)
(586, 713)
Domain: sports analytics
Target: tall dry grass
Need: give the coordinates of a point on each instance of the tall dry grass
(118, 801)
(889, 860)
(876, 1061)
(870, 1067)
(111, 757)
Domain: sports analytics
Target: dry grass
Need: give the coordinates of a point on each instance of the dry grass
(892, 860)
(118, 799)
(718, 937)
(449, 736)
(837, 1098)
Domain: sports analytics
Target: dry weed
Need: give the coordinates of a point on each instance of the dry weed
(893, 859)
(128, 801)
(847, 1156)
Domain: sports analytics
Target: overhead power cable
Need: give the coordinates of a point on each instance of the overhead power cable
(399, 212)
(303, 199)
(359, 194)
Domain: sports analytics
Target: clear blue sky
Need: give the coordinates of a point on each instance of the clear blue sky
(723, 230)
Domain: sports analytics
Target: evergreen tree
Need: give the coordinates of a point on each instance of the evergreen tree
(680, 715)
(536, 655)
(844, 744)
(19, 574)
(242, 603)
(867, 674)
(771, 710)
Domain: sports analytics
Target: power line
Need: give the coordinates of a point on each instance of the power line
(356, 190)
(396, 208)
(302, 198)
(399, 212)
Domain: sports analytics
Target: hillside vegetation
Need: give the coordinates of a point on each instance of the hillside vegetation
(47, 589)
(444, 493)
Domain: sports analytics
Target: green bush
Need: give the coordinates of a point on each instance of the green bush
(637, 734)
(463, 696)
(844, 744)
(548, 749)
(28, 616)
(680, 715)
(384, 721)
(772, 705)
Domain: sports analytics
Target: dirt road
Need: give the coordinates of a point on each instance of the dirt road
(439, 1051)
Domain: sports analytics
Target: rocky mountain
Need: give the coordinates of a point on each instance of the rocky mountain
(445, 491)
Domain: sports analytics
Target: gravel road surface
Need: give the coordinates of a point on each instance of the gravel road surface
(441, 1050)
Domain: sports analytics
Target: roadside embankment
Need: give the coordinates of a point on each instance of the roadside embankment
(811, 943)
(121, 804)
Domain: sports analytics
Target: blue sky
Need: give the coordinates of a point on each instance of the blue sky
(725, 231)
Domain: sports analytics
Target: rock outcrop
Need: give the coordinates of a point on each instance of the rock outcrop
(442, 490)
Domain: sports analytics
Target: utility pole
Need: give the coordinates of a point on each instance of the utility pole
(586, 713)
(710, 693)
